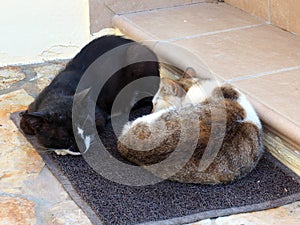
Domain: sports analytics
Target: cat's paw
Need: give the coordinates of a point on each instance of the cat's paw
(66, 152)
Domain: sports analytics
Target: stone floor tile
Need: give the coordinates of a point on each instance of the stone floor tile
(16, 211)
(67, 212)
(22, 173)
(44, 188)
(53, 204)
(45, 74)
(10, 75)
(18, 159)
(247, 52)
(180, 22)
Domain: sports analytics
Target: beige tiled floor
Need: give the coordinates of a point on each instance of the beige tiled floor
(247, 52)
(186, 21)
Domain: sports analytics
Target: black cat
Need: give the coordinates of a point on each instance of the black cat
(49, 117)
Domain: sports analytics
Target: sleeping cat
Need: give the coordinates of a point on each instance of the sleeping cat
(204, 115)
(187, 89)
(49, 117)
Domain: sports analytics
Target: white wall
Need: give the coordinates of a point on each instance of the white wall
(39, 30)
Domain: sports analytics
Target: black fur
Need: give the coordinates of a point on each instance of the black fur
(49, 117)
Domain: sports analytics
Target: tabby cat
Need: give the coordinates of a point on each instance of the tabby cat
(219, 119)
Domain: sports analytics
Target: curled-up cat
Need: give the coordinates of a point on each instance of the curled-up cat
(217, 130)
(49, 117)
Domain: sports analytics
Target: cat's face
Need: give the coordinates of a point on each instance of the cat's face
(52, 131)
(188, 89)
(170, 94)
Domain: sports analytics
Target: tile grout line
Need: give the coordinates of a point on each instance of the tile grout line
(140, 29)
(162, 8)
(262, 74)
(214, 32)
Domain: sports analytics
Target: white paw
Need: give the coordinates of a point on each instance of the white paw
(66, 152)
(60, 152)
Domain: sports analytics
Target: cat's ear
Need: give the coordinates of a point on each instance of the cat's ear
(170, 87)
(189, 73)
(35, 119)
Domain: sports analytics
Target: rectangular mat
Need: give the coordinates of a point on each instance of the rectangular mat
(269, 185)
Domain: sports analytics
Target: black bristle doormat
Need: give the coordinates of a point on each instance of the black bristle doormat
(269, 185)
